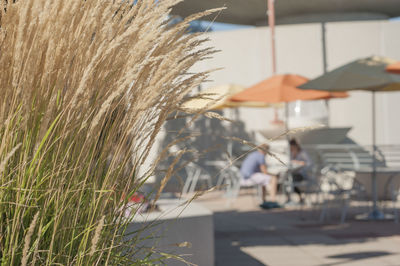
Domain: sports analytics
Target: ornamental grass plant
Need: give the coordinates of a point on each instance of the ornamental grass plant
(85, 87)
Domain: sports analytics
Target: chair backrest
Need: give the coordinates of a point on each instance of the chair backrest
(334, 180)
(390, 154)
(345, 157)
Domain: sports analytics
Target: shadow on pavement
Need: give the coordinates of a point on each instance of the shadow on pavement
(356, 256)
(235, 231)
(231, 254)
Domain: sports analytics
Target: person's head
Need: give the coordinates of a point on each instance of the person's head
(294, 146)
(263, 148)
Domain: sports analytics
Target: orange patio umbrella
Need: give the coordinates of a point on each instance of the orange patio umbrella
(283, 88)
(394, 68)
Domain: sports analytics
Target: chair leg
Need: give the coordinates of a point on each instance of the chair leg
(236, 189)
(220, 180)
(229, 188)
(209, 183)
(185, 188)
(395, 211)
(326, 206)
(344, 211)
(323, 211)
(194, 181)
(258, 193)
(232, 191)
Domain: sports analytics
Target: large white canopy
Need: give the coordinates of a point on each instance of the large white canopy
(253, 12)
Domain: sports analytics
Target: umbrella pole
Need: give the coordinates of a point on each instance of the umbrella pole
(289, 166)
(287, 132)
(325, 66)
(230, 142)
(328, 108)
(286, 117)
(375, 212)
(271, 25)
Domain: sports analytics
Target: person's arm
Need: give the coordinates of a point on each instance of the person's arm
(263, 169)
(302, 159)
(297, 162)
(262, 163)
(305, 158)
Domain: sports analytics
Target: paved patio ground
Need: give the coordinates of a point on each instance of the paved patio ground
(246, 235)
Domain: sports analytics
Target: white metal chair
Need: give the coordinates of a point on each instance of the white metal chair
(309, 186)
(229, 178)
(232, 191)
(337, 164)
(195, 173)
(337, 187)
(393, 190)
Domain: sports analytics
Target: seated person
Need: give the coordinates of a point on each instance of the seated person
(300, 159)
(254, 172)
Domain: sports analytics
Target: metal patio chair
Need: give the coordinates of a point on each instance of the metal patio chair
(195, 174)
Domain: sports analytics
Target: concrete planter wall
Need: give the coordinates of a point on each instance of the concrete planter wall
(169, 233)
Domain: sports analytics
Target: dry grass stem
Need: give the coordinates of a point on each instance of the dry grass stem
(217, 116)
(96, 236)
(8, 156)
(296, 130)
(28, 239)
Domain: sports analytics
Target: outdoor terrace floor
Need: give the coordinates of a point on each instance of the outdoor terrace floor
(246, 235)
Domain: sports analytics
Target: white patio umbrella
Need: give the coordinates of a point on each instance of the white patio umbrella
(363, 74)
(216, 98)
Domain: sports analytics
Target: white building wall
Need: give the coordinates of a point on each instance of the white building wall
(347, 42)
(245, 59)
(390, 105)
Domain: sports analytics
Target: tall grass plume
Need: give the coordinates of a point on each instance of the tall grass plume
(85, 87)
